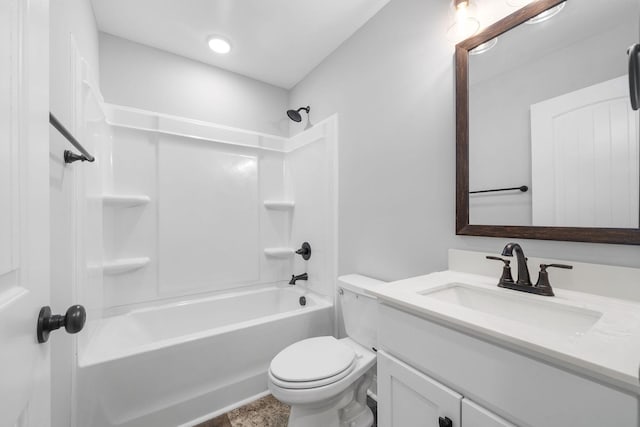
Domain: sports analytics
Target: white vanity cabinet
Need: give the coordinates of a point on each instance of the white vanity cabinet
(429, 369)
(408, 398)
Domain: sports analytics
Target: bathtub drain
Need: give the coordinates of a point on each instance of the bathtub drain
(303, 301)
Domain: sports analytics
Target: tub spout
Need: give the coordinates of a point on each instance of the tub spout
(294, 278)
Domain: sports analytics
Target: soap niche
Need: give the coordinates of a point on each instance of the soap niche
(279, 212)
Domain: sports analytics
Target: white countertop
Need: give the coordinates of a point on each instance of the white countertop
(608, 351)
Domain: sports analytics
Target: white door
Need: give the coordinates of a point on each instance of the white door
(474, 415)
(584, 149)
(24, 207)
(408, 398)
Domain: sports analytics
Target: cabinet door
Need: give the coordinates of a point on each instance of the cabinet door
(408, 398)
(474, 415)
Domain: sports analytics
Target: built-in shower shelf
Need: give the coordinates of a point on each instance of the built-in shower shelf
(122, 201)
(279, 252)
(279, 205)
(124, 265)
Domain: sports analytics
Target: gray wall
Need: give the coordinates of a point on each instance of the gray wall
(143, 77)
(392, 84)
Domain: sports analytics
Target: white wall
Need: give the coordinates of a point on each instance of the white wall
(143, 77)
(67, 17)
(392, 84)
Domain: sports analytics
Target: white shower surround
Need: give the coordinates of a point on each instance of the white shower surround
(182, 363)
(206, 227)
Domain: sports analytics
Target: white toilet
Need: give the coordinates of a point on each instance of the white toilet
(324, 379)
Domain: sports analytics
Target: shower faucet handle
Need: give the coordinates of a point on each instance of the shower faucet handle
(305, 251)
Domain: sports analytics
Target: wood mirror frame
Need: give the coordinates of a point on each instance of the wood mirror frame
(629, 236)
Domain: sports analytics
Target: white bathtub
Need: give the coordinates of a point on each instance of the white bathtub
(175, 364)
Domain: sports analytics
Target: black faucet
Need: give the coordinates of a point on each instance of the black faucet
(294, 278)
(542, 287)
(523, 269)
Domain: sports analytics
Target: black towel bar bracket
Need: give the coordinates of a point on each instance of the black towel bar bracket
(70, 157)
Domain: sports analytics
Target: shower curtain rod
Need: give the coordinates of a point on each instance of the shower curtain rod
(70, 157)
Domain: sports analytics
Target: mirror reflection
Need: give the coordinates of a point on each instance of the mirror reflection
(550, 120)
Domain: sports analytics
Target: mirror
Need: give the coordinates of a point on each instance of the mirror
(547, 141)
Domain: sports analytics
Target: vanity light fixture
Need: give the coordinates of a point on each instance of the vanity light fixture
(465, 24)
(484, 47)
(547, 14)
(219, 45)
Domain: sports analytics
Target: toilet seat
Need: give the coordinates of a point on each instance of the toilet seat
(312, 384)
(314, 362)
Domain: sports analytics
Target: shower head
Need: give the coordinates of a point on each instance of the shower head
(295, 114)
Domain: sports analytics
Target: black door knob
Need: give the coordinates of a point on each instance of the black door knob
(445, 422)
(73, 321)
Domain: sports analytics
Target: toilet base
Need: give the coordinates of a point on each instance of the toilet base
(349, 409)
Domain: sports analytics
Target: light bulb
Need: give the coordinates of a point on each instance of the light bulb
(219, 45)
(461, 4)
(465, 24)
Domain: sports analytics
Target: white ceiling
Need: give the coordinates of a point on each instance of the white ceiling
(275, 41)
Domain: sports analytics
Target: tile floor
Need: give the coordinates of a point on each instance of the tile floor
(265, 412)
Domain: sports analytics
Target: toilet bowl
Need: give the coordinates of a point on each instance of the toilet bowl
(324, 379)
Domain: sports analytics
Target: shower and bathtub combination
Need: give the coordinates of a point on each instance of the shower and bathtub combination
(190, 232)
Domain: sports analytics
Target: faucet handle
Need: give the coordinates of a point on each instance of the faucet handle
(305, 251)
(507, 262)
(543, 267)
(506, 270)
(543, 277)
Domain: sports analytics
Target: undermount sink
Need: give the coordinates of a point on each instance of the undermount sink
(535, 312)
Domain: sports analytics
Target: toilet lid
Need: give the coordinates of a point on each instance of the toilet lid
(312, 359)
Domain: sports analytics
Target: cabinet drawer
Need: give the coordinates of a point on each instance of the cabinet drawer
(523, 390)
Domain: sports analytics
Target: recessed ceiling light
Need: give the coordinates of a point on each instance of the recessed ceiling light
(219, 45)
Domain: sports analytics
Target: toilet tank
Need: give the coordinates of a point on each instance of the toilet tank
(359, 309)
